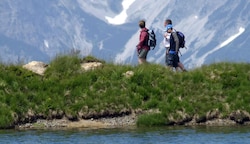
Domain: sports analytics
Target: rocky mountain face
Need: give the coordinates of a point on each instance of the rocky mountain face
(39, 30)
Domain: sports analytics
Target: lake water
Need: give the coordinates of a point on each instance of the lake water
(156, 135)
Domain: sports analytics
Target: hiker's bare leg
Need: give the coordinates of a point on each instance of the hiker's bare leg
(142, 55)
(142, 61)
(181, 66)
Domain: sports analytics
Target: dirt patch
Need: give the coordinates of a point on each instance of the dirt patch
(124, 121)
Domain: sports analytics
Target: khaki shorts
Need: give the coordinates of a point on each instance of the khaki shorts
(142, 53)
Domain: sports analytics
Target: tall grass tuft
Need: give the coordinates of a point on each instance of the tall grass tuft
(63, 67)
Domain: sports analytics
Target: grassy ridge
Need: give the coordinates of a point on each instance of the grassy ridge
(66, 90)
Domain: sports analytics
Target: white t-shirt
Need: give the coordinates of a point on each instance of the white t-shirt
(167, 39)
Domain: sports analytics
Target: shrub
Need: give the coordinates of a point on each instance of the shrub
(150, 120)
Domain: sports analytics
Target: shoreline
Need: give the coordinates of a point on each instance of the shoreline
(114, 122)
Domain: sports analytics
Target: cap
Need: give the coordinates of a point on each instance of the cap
(169, 26)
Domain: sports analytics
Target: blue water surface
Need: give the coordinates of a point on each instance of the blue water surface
(156, 135)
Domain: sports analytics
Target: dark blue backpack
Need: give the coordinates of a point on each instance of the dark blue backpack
(181, 37)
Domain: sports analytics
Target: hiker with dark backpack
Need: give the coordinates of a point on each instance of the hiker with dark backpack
(181, 42)
(173, 57)
(143, 46)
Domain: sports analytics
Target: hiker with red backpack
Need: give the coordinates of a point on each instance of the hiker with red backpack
(173, 40)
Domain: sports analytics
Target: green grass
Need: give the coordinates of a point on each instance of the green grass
(66, 87)
(150, 120)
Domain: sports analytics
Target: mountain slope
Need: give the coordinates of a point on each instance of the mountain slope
(39, 30)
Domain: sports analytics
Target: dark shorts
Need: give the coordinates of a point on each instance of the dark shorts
(142, 53)
(172, 60)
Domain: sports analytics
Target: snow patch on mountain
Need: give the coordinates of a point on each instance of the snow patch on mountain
(241, 30)
(200, 61)
(121, 18)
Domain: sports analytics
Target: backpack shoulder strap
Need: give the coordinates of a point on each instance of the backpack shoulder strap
(176, 40)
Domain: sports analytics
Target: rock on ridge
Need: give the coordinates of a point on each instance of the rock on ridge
(90, 65)
(36, 67)
(40, 67)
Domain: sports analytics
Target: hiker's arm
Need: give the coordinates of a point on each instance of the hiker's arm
(176, 39)
(143, 36)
